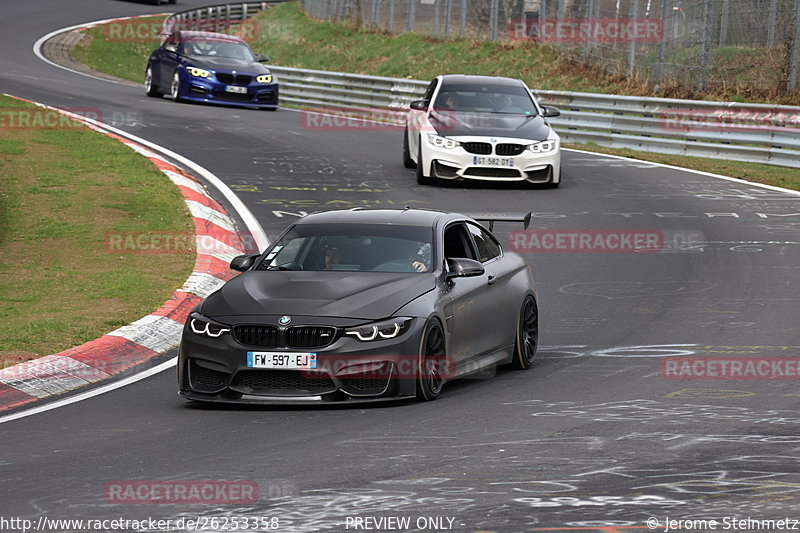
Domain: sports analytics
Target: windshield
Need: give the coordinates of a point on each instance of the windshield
(213, 48)
(505, 99)
(352, 247)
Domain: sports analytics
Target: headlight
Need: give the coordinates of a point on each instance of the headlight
(206, 327)
(198, 72)
(442, 142)
(264, 78)
(543, 147)
(377, 331)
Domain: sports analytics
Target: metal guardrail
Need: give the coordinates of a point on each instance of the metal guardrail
(758, 133)
(214, 18)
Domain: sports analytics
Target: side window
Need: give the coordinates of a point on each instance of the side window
(430, 90)
(171, 44)
(457, 243)
(488, 248)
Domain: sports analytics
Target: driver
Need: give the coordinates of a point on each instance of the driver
(332, 257)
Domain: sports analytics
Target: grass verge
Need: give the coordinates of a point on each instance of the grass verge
(113, 50)
(293, 39)
(64, 192)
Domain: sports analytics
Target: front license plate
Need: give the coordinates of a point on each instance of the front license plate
(493, 161)
(236, 89)
(287, 361)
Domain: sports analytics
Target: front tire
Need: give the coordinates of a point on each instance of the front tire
(150, 88)
(553, 183)
(407, 161)
(175, 87)
(422, 179)
(527, 335)
(432, 360)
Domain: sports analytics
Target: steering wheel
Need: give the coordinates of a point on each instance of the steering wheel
(394, 266)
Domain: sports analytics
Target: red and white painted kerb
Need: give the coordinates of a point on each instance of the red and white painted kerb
(152, 335)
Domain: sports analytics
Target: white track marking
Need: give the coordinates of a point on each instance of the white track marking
(92, 393)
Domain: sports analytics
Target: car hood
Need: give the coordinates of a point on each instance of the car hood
(227, 63)
(368, 296)
(456, 123)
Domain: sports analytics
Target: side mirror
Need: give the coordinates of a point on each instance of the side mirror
(262, 58)
(461, 267)
(419, 105)
(549, 111)
(171, 47)
(243, 262)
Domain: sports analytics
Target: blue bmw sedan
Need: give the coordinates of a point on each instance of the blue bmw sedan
(209, 67)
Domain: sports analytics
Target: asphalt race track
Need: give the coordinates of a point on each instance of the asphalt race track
(594, 435)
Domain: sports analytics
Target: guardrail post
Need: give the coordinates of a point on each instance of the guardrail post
(772, 23)
(632, 14)
(373, 16)
(586, 42)
(390, 19)
(723, 25)
(493, 14)
(662, 43)
(795, 47)
(542, 12)
(705, 45)
(436, 8)
(447, 12)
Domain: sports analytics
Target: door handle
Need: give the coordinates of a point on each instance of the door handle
(492, 279)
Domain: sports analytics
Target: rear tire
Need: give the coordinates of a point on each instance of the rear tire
(150, 88)
(431, 365)
(422, 179)
(527, 335)
(407, 161)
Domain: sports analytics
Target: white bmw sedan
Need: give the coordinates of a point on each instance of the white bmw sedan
(481, 128)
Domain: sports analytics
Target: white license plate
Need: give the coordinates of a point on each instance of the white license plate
(287, 361)
(493, 161)
(236, 89)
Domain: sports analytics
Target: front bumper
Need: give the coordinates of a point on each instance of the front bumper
(209, 90)
(348, 370)
(459, 164)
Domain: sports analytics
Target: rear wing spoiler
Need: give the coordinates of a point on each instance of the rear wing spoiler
(491, 218)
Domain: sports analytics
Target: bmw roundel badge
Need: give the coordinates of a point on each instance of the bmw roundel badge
(284, 320)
